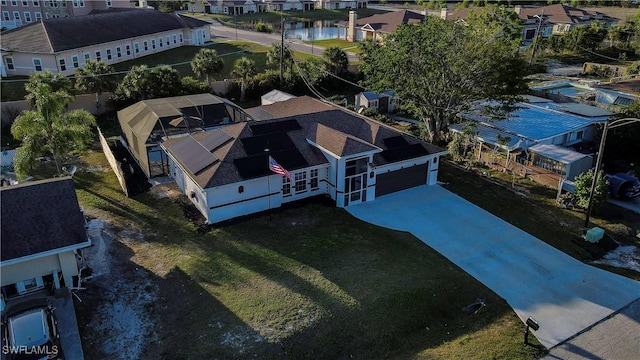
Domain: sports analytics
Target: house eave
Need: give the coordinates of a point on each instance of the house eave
(46, 253)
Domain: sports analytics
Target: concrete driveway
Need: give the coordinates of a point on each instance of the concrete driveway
(564, 295)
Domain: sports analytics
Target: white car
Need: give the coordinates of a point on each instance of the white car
(31, 334)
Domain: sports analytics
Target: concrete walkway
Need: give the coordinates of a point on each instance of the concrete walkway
(564, 295)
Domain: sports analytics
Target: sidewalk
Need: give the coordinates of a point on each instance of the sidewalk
(616, 337)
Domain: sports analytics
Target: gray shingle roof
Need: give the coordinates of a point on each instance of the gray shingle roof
(40, 216)
(55, 35)
(337, 130)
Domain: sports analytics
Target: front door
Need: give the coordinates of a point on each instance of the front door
(355, 189)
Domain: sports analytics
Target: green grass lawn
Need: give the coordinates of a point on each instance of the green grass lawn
(343, 44)
(180, 58)
(306, 282)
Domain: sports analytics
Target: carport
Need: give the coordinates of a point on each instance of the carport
(564, 295)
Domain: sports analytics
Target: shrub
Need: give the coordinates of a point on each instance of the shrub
(264, 28)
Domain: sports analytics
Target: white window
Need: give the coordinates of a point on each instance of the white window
(63, 64)
(25, 3)
(175, 39)
(180, 38)
(36, 3)
(16, 15)
(27, 16)
(14, 2)
(160, 42)
(136, 48)
(145, 45)
(286, 186)
(3, 2)
(5, 16)
(313, 181)
(301, 182)
(109, 54)
(166, 39)
(9, 62)
(109, 3)
(87, 57)
(119, 52)
(98, 55)
(153, 44)
(38, 15)
(37, 64)
(127, 48)
(75, 61)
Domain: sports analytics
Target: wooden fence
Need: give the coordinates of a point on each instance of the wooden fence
(115, 164)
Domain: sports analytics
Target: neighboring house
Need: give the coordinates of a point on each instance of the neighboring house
(553, 136)
(43, 232)
(21, 12)
(228, 7)
(275, 96)
(112, 36)
(384, 102)
(375, 27)
(147, 123)
(592, 93)
(556, 19)
(326, 149)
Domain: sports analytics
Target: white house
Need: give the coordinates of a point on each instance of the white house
(113, 36)
(326, 149)
(43, 231)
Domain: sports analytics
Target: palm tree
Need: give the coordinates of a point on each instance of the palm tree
(57, 82)
(244, 69)
(207, 63)
(94, 76)
(47, 131)
(336, 60)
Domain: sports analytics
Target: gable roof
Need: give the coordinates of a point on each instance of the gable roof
(40, 216)
(338, 131)
(563, 14)
(303, 105)
(388, 22)
(99, 27)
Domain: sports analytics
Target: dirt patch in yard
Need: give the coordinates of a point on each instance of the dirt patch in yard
(117, 316)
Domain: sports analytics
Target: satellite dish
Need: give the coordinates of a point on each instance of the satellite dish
(71, 170)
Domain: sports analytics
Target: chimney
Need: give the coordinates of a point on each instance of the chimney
(517, 9)
(444, 14)
(351, 27)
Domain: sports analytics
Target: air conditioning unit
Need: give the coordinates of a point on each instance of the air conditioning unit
(27, 286)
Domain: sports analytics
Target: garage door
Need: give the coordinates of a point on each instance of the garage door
(401, 179)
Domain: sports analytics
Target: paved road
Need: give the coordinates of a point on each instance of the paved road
(222, 32)
(564, 295)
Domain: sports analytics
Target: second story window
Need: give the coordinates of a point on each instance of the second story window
(98, 55)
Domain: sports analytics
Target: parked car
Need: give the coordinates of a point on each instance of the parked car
(31, 334)
(623, 186)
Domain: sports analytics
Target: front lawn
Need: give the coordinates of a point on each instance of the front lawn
(343, 44)
(308, 281)
(180, 58)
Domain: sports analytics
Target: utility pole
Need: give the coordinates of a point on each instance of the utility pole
(281, 50)
(535, 40)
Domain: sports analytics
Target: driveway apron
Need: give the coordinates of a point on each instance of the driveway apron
(561, 293)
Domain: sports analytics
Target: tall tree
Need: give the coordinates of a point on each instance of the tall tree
(207, 63)
(56, 81)
(95, 76)
(144, 83)
(336, 60)
(46, 130)
(244, 69)
(584, 182)
(440, 68)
